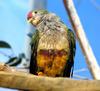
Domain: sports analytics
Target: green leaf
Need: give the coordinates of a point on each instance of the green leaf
(14, 61)
(4, 44)
(11, 60)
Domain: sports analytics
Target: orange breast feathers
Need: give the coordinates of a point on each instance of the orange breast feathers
(51, 62)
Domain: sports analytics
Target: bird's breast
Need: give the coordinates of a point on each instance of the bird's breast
(52, 54)
(53, 40)
(51, 62)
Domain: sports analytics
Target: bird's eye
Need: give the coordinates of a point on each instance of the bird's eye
(35, 12)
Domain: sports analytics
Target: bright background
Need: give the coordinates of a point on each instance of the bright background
(14, 26)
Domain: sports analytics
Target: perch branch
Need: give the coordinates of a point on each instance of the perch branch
(24, 81)
(80, 34)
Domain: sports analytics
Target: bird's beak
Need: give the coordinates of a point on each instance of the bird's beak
(29, 20)
(29, 17)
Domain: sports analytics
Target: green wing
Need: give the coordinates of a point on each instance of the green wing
(34, 45)
(72, 42)
(72, 46)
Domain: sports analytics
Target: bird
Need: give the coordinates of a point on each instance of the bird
(53, 45)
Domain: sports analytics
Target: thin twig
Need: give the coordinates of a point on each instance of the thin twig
(80, 77)
(80, 70)
(4, 54)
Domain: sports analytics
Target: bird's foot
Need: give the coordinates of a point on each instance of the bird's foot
(41, 74)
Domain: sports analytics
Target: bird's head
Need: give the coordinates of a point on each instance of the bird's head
(35, 16)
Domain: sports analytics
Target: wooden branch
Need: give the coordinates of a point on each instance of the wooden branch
(26, 81)
(80, 34)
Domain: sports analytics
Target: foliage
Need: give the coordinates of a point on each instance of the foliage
(4, 44)
(13, 61)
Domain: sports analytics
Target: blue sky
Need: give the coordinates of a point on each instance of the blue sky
(13, 25)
